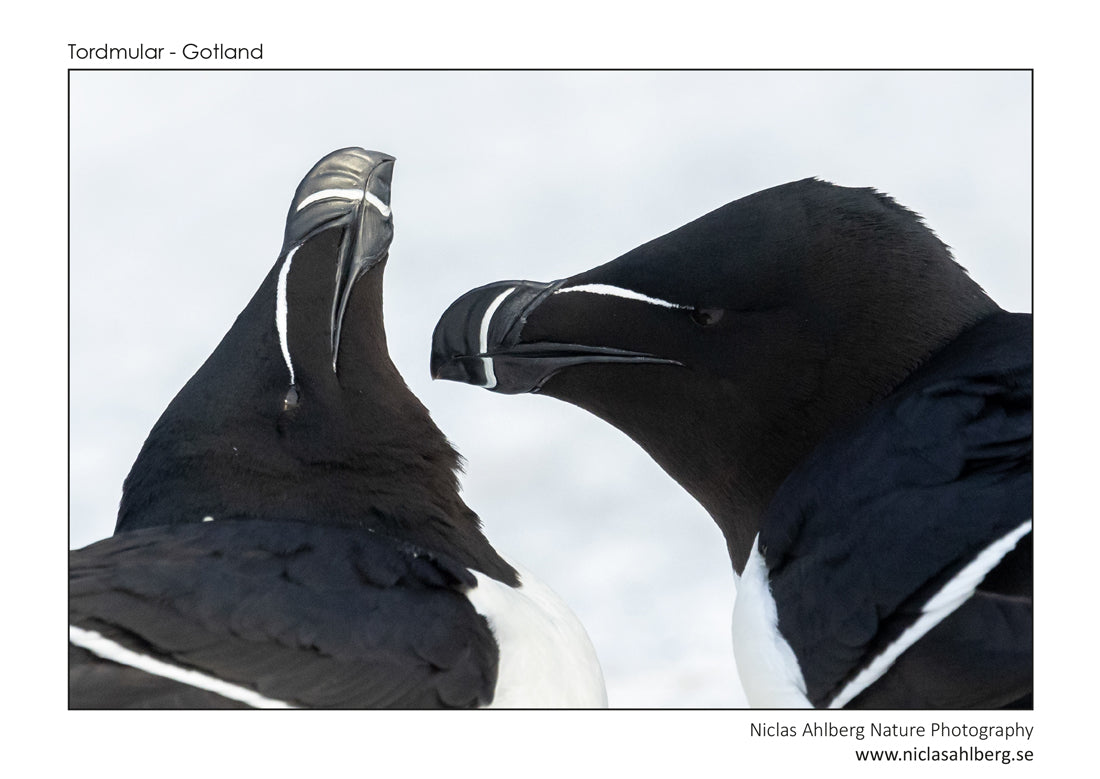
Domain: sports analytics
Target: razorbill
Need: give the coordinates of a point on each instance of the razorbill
(811, 364)
(291, 533)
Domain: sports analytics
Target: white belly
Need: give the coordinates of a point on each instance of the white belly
(766, 663)
(546, 657)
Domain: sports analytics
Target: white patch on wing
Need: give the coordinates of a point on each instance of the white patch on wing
(100, 646)
(546, 658)
(952, 595)
(769, 670)
(483, 338)
(619, 292)
(281, 310)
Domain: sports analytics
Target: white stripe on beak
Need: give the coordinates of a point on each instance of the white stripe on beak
(483, 338)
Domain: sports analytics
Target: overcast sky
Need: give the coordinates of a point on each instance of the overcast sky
(180, 182)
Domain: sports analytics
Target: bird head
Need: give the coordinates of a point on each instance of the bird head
(729, 347)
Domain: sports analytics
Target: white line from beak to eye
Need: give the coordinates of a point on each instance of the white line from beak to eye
(483, 338)
(101, 646)
(353, 195)
(281, 310)
(619, 292)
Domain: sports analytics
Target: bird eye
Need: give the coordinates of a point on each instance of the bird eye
(290, 402)
(706, 317)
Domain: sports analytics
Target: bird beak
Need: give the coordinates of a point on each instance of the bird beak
(478, 340)
(349, 188)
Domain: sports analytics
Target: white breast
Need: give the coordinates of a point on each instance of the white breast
(766, 663)
(546, 657)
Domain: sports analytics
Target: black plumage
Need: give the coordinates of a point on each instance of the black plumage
(812, 365)
(912, 493)
(291, 533)
(301, 612)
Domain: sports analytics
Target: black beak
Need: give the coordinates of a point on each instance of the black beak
(478, 341)
(349, 188)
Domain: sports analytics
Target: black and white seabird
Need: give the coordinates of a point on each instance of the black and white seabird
(291, 534)
(811, 364)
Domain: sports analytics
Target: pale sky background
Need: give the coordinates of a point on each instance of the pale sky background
(179, 186)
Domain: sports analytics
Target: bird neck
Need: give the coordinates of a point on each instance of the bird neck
(732, 441)
(360, 450)
(738, 498)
